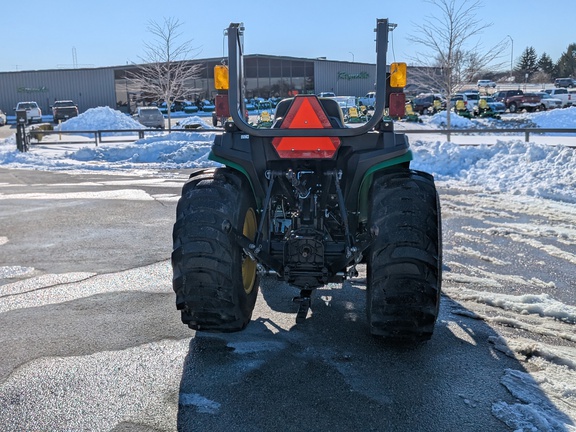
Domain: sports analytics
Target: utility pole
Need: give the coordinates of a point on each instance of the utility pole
(511, 56)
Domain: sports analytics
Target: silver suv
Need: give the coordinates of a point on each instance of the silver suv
(33, 111)
(150, 116)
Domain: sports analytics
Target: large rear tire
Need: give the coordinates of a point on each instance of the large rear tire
(216, 284)
(404, 263)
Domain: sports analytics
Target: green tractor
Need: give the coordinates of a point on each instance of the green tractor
(308, 200)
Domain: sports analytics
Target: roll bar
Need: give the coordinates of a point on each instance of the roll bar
(236, 90)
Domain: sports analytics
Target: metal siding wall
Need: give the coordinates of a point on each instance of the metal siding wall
(86, 87)
(91, 88)
(331, 76)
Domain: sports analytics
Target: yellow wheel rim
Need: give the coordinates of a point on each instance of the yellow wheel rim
(249, 266)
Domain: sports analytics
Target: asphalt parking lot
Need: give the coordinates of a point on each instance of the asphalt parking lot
(92, 340)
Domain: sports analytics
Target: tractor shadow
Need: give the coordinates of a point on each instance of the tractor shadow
(328, 373)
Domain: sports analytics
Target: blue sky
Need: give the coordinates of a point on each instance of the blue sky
(49, 35)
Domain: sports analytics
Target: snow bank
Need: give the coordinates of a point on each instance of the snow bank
(100, 118)
(558, 118)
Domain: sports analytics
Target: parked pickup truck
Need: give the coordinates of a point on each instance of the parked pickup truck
(517, 100)
(369, 100)
(63, 110)
(567, 98)
(548, 102)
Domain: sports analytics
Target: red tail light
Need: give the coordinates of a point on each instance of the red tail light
(397, 106)
(305, 112)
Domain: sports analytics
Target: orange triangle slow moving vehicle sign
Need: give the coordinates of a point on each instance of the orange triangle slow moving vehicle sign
(306, 113)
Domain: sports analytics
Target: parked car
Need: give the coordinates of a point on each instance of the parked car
(33, 111)
(150, 116)
(3, 120)
(63, 110)
(424, 103)
(326, 94)
(564, 82)
(486, 83)
(567, 98)
(548, 102)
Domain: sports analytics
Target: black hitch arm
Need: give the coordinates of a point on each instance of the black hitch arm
(255, 252)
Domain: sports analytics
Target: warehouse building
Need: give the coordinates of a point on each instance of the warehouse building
(265, 76)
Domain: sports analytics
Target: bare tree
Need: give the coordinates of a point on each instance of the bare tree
(453, 51)
(166, 73)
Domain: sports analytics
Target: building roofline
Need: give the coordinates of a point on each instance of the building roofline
(209, 59)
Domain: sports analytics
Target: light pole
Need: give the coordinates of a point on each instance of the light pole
(511, 55)
(352, 56)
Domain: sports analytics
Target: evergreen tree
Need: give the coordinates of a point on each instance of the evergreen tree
(566, 66)
(545, 64)
(528, 63)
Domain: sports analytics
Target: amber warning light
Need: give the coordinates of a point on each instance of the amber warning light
(305, 112)
(221, 79)
(398, 75)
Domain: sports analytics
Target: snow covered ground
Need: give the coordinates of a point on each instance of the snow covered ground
(539, 175)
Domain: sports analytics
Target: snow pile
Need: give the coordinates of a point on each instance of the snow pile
(100, 118)
(168, 151)
(559, 118)
(513, 167)
(456, 121)
(193, 121)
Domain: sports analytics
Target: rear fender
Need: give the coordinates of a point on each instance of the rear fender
(241, 170)
(363, 194)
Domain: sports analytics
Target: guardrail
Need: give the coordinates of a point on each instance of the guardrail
(99, 136)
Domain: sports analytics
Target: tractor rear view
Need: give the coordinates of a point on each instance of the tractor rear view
(308, 200)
